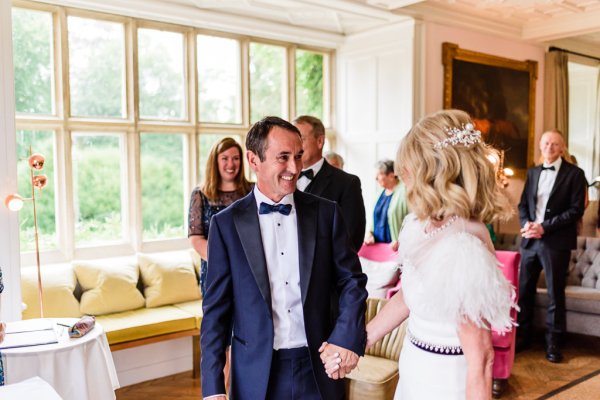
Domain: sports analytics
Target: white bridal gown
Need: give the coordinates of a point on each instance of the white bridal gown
(448, 275)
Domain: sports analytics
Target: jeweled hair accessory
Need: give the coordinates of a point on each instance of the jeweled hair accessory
(467, 135)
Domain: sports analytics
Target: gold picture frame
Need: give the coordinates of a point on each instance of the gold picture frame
(499, 94)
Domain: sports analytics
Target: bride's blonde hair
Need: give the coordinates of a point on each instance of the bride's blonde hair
(453, 179)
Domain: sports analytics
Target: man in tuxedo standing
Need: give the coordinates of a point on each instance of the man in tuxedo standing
(274, 259)
(551, 204)
(318, 177)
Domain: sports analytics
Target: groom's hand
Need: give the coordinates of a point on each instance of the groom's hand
(338, 361)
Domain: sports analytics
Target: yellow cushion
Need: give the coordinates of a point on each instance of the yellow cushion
(196, 259)
(194, 308)
(108, 286)
(58, 284)
(373, 378)
(168, 278)
(145, 322)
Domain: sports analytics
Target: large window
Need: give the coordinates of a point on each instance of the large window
(161, 74)
(96, 68)
(33, 59)
(268, 81)
(219, 79)
(126, 111)
(162, 164)
(43, 143)
(97, 188)
(584, 99)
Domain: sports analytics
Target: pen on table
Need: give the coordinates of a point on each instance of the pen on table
(65, 325)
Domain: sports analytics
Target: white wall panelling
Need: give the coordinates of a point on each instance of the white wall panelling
(375, 97)
(9, 234)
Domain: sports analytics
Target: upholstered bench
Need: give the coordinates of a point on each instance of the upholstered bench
(138, 300)
(583, 285)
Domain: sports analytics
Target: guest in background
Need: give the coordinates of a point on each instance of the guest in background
(225, 182)
(552, 202)
(334, 159)
(391, 207)
(321, 179)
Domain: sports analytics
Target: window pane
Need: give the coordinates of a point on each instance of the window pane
(162, 166)
(96, 68)
(33, 61)
(97, 184)
(267, 81)
(41, 142)
(161, 74)
(219, 80)
(309, 84)
(206, 142)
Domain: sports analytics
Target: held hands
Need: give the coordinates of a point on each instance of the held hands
(369, 238)
(532, 230)
(394, 245)
(338, 362)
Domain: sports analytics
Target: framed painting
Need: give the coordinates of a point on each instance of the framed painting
(499, 94)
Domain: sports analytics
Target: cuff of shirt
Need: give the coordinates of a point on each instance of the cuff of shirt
(214, 396)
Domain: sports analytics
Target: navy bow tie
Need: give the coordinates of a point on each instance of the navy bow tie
(284, 209)
(307, 173)
(551, 168)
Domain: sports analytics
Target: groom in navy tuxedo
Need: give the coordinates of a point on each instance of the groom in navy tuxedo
(276, 260)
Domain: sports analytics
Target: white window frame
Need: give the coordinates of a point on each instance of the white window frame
(131, 126)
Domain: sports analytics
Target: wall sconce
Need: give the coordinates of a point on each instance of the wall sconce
(14, 202)
(502, 174)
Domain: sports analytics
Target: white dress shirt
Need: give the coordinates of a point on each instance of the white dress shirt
(280, 243)
(303, 181)
(545, 184)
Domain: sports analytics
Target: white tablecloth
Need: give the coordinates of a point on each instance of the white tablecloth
(77, 369)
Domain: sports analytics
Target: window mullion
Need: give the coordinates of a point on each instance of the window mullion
(291, 77)
(245, 71)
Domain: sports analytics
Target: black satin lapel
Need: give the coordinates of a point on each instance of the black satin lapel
(306, 209)
(248, 229)
(560, 177)
(320, 181)
(536, 180)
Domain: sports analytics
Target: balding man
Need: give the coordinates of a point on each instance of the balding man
(551, 204)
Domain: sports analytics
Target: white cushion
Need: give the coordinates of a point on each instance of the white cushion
(382, 275)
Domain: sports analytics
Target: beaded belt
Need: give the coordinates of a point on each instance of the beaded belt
(435, 348)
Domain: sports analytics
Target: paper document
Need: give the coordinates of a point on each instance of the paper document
(29, 325)
(27, 333)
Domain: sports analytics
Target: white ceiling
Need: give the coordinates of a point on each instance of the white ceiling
(575, 24)
(531, 20)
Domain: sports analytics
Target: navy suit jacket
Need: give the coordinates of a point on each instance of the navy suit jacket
(238, 296)
(336, 185)
(565, 206)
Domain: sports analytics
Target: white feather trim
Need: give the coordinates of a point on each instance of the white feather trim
(460, 280)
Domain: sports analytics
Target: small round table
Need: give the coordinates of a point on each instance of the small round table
(80, 368)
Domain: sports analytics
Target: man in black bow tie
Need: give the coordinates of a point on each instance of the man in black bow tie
(551, 204)
(318, 177)
(275, 258)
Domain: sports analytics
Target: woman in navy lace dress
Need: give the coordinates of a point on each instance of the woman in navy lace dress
(225, 183)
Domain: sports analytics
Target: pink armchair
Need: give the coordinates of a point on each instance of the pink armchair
(504, 345)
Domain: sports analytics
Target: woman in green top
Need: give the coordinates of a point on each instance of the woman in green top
(390, 209)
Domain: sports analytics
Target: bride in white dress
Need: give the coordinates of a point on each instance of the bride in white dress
(453, 292)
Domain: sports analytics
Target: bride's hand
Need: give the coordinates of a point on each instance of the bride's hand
(331, 362)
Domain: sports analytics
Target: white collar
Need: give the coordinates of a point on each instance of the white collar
(556, 164)
(316, 167)
(261, 198)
